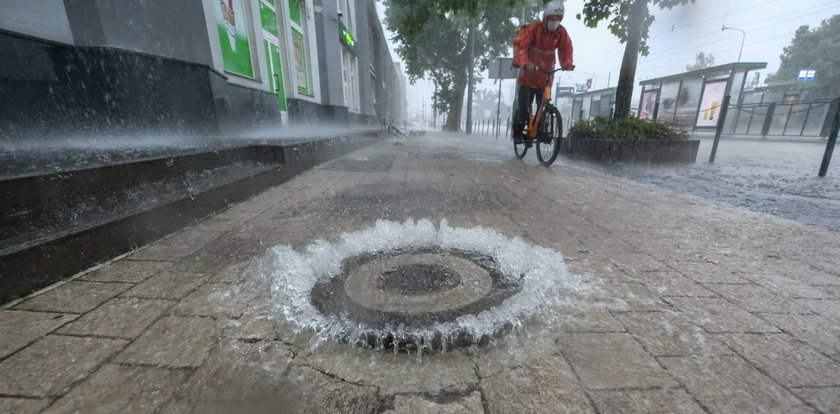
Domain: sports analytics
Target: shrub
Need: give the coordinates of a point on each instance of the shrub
(632, 129)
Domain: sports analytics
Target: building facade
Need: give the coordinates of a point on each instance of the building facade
(201, 67)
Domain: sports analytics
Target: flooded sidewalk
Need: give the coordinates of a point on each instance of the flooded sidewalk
(647, 300)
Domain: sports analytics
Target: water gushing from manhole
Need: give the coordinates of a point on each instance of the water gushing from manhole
(414, 286)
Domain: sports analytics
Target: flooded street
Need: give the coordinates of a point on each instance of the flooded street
(778, 178)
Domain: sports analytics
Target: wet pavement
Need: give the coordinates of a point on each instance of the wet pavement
(700, 306)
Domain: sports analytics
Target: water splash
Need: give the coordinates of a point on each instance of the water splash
(545, 285)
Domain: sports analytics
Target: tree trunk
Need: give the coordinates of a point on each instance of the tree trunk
(624, 90)
(453, 121)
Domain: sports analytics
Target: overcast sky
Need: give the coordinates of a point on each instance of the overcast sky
(675, 37)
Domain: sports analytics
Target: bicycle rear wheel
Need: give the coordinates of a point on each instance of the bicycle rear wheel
(550, 136)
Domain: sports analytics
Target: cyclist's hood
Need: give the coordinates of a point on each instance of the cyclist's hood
(553, 14)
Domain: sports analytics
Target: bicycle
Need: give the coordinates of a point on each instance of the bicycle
(545, 127)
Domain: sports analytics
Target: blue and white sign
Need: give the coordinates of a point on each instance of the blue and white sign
(807, 74)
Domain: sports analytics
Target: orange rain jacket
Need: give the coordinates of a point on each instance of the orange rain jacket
(534, 45)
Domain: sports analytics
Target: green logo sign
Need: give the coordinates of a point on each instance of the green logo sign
(346, 38)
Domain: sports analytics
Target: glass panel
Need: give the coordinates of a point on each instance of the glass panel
(688, 100)
(796, 119)
(294, 12)
(268, 19)
(668, 101)
(777, 124)
(587, 103)
(735, 89)
(232, 27)
(757, 121)
(814, 123)
(301, 62)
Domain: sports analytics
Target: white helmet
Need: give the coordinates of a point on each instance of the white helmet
(554, 9)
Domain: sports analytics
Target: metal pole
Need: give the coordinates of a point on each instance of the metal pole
(471, 78)
(768, 119)
(655, 110)
(724, 108)
(832, 140)
(499, 99)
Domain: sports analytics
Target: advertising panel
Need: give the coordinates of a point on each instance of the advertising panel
(232, 25)
(710, 104)
(301, 62)
(648, 104)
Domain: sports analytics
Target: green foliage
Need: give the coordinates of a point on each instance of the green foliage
(416, 133)
(617, 13)
(702, 61)
(817, 50)
(432, 38)
(632, 129)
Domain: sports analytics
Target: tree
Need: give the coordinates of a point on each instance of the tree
(702, 61)
(432, 39)
(629, 20)
(815, 50)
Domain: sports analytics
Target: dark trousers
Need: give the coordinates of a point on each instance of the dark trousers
(520, 116)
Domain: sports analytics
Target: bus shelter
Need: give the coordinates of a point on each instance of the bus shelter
(589, 104)
(692, 99)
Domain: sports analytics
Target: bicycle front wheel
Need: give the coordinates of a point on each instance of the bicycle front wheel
(550, 136)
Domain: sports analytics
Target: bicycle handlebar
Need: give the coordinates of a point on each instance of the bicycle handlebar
(550, 72)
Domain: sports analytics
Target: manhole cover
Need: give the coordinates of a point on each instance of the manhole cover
(413, 286)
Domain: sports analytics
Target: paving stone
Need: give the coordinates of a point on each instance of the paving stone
(22, 405)
(828, 308)
(705, 272)
(172, 341)
(632, 296)
(236, 272)
(670, 333)
(129, 271)
(119, 317)
(539, 386)
(74, 297)
(122, 389)
(241, 371)
(215, 299)
(167, 286)
(593, 321)
(753, 298)
(786, 286)
(612, 360)
(328, 394)
(164, 252)
(728, 384)
(51, 365)
(418, 405)
(664, 401)
(18, 328)
(672, 284)
(825, 399)
(637, 263)
(833, 291)
(718, 315)
(787, 360)
(814, 330)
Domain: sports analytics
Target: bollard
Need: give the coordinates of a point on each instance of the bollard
(832, 140)
(507, 126)
(721, 120)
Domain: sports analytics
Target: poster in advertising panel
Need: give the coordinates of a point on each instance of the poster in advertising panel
(710, 105)
(648, 104)
(232, 25)
(301, 62)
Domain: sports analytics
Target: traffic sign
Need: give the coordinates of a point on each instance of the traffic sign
(807, 74)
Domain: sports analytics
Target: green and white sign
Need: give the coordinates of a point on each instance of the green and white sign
(346, 38)
(232, 26)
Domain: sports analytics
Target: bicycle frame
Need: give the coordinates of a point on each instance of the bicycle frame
(534, 120)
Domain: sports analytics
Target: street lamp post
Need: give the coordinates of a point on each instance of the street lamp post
(743, 36)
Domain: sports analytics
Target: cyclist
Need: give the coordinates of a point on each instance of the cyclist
(534, 48)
